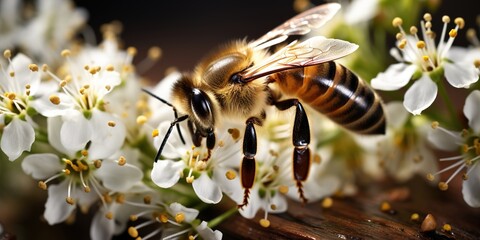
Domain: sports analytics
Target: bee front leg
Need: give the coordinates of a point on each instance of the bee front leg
(300, 139)
(248, 168)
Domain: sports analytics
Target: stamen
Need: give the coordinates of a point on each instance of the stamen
(327, 202)
(180, 217)
(122, 161)
(460, 22)
(111, 123)
(7, 54)
(141, 120)
(65, 53)
(33, 67)
(230, 174)
(397, 22)
(264, 223)
(155, 133)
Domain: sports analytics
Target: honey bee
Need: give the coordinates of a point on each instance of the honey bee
(241, 79)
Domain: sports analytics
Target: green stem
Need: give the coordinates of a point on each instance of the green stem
(214, 222)
(454, 122)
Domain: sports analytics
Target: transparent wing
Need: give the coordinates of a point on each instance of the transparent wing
(298, 25)
(312, 51)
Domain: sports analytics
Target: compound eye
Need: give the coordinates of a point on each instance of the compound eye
(201, 106)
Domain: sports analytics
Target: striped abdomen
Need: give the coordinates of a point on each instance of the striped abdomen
(336, 92)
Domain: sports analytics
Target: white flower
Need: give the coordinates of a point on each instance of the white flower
(468, 143)
(79, 175)
(204, 168)
(403, 151)
(426, 63)
(78, 110)
(53, 26)
(18, 82)
(173, 221)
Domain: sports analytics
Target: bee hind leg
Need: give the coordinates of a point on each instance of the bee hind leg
(248, 168)
(300, 140)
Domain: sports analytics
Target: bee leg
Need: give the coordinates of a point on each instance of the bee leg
(247, 170)
(300, 139)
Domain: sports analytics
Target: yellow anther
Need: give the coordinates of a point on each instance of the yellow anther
(317, 159)
(44, 67)
(12, 74)
(27, 86)
(443, 186)
(446, 19)
(109, 215)
(428, 25)
(465, 148)
(54, 99)
(11, 96)
(86, 189)
(141, 120)
(163, 218)
(84, 152)
(413, 30)
(154, 53)
(179, 217)
(402, 44)
(397, 22)
(155, 133)
(283, 189)
(234, 132)
(42, 185)
(430, 177)
(108, 87)
(460, 22)
(189, 179)
(446, 227)
(133, 218)
(425, 58)
(132, 51)
(230, 174)
(86, 67)
(132, 231)
(110, 68)
(33, 67)
(435, 124)
(120, 198)
(427, 17)
(107, 198)
(453, 33)
(66, 171)
(385, 206)
(147, 199)
(264, 223)
(399, 36)
(65, 53)
(327, 202)
(7, 53)
(98, 68)
(111, 123)
(421, 44)
(92, 71)
(122, 160)
(70, 200)
(273, 207)
(97, 163)
(415, 217)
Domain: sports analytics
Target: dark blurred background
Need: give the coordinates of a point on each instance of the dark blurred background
(186, 30)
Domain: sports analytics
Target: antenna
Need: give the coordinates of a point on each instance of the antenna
(172, 124)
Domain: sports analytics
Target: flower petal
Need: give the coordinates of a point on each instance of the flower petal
(395, 77)
(189, 213)
(420, 95)
(56, 209)
(118, 178)
(206, 189)
(471, 110)
(207, 233)
(445, 139)
(41, 166)
(76, 131)
(106, 140)
(44, 106)
(470, 187)
(460, 75)
(54, 126)
(166, 173)
(396, 115)
(18, 136)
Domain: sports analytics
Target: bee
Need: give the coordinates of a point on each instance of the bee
(241, 79)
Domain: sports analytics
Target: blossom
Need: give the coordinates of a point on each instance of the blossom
(467, 143)
(54, 24)
(425, 63)
(174, 221)
(18, 82)
(80, 174)
(203, 167)
(79, 107)
(403, 151)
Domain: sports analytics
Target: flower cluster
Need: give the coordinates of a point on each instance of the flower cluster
(75, 118)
